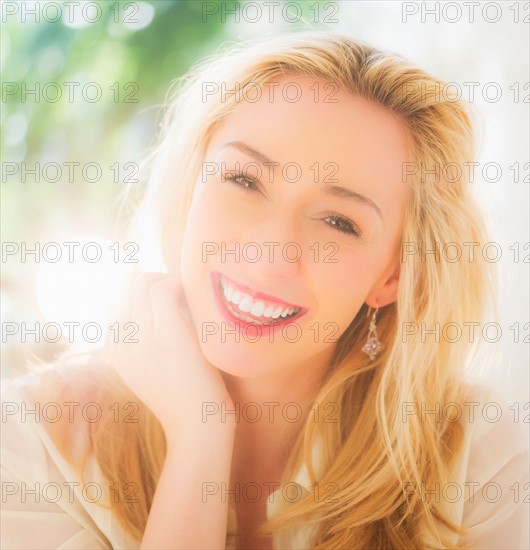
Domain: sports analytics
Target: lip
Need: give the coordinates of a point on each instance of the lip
(240, 324)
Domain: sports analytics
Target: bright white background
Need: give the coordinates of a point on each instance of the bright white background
(489, 45)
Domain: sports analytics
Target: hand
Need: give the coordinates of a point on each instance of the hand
(165, 367)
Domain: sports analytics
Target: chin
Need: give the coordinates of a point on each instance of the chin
(239, 359)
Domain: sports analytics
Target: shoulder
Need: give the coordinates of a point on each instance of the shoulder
(494, 473)
(46, 501)
(48, 396)
(496, 429)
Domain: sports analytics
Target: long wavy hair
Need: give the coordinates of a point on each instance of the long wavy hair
(371, 454)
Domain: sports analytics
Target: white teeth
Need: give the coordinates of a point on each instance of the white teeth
(257, 308)
(268, 312)
(277, 312)
(245, 304)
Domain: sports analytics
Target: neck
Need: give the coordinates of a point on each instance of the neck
(296, 384)
(271, 410)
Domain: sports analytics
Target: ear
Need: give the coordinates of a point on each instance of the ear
(385, 290)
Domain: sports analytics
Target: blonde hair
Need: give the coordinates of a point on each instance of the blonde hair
(371, 453)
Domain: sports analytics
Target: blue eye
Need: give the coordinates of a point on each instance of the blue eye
(344, 225)
(241, 181)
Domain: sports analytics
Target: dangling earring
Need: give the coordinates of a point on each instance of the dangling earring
(373, 346)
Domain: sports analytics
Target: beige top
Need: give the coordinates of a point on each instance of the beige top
(45, 504)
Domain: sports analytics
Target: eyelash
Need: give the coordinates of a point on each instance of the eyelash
(234, 177)
(351, 229)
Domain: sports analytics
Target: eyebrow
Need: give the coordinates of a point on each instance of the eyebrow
(333, 190)
(342, 192)
(244, 148)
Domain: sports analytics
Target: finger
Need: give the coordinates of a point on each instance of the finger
(141, 298)
(121, 314)
(135, 308)
(169, 305)
(121, 306)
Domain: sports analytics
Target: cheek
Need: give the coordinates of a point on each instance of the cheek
(210, 222)
(195, 246)
(212, 218)
(342, 287)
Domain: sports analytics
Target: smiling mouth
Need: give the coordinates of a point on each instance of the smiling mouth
(253, 309)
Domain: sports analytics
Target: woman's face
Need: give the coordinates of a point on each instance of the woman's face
(295, 222)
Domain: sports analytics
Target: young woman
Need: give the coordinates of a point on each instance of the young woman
(284, 390)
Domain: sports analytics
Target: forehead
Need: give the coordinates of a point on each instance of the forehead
(307, 120)
(319, 114)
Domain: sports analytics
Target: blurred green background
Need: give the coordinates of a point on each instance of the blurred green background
(132, 53)
(82, 90)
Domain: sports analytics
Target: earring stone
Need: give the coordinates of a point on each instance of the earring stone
(373, 346)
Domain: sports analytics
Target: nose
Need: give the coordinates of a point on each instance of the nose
(273, 248)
